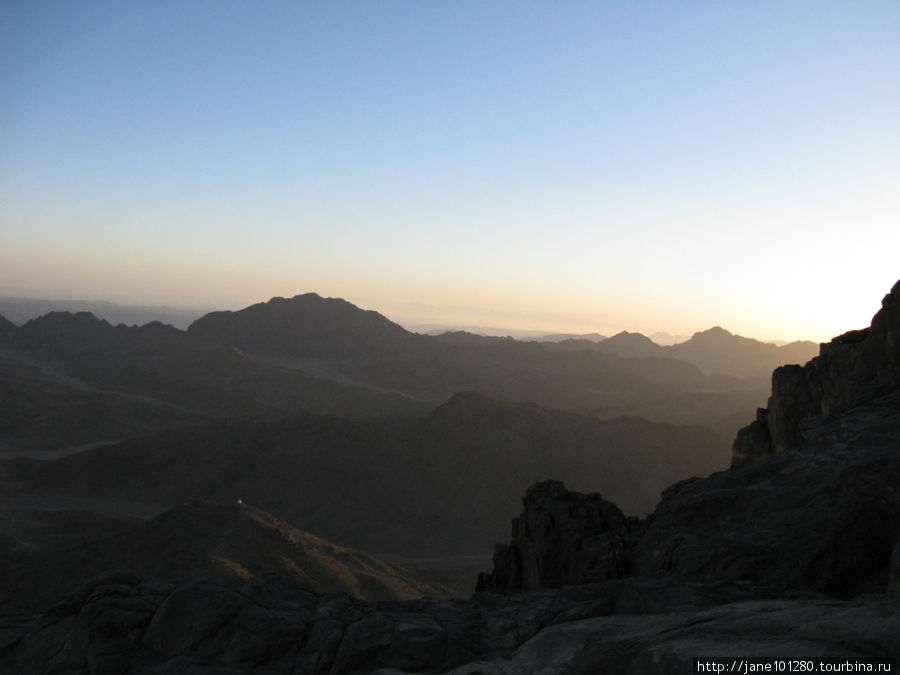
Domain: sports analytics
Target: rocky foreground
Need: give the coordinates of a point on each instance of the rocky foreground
(122, 623)
(794, 552)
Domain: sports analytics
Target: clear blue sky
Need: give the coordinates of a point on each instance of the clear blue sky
(560, 165)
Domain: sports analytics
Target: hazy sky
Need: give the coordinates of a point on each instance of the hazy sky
(555, 165)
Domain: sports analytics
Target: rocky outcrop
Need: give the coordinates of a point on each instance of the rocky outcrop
(850, 367)
(824, 518)
(561, 538)
(122, 622)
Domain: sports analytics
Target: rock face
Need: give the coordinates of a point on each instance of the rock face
(561, 538)
(848, 368)
(122, 622)
(824, 518)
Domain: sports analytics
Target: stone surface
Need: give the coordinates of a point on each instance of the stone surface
(848, 368)
(271, 625)
(824, 518)
(561, 538)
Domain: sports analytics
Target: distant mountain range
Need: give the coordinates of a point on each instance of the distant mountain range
(333, 338)
(310, 326)
(326, 356)
(713, 351)
(336, 419)
(22, 310)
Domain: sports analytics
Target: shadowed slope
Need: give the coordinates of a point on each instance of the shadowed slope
(166, 364)
(453, 473)
(202, 539)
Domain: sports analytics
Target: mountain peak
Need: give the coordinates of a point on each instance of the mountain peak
(305, 325)
(714, 332)
(6, 325)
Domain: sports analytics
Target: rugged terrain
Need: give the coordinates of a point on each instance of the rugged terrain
(203, 539)
(440, 485)
(793, 552)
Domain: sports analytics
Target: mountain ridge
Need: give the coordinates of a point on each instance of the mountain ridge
(199, 539)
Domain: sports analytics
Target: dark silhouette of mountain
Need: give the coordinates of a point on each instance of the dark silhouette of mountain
(167, 365)
(22, 310)
(631, 344)
(559, 337)
(326, 356)
(334, 339)
(451, 473)
(718, 351)
(310, 326)
(465, 338)
(712, 351)
(45, 413)
(6, 326)
(202, 539)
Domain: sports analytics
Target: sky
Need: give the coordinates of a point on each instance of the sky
(566, 166)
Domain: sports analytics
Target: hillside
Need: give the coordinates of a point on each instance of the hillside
(796, 553)
(202, 539)
(713, 351)
(166, 365)
(332, 338)
(451, 472)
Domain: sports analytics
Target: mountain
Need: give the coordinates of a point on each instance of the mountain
(631, 344)
(22, 310)
(47, 414)
(452, 472)
(718, 351)
(559, 337)
(796, 553)
(166, 365)
(712, 351)
(6, 326)
(327, 356)
(333, 339)
(810, 502)
(310, 326)
(202, 539)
